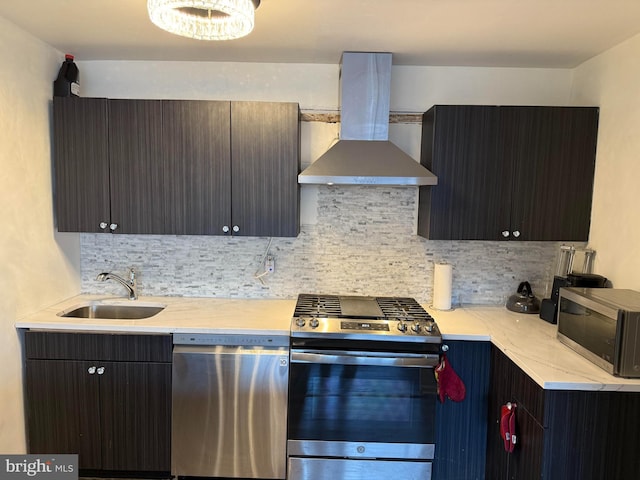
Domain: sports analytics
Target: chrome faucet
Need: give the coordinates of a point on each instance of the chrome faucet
(130, 284)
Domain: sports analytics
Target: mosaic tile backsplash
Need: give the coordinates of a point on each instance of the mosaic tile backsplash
(363, 243)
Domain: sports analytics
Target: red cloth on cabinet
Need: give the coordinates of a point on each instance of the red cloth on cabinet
(449, 383)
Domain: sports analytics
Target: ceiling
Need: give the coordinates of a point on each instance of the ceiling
(508, 33)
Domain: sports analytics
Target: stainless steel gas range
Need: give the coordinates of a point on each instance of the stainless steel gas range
(362, 391)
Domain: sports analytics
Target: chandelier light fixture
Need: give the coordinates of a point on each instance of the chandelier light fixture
(204, 19)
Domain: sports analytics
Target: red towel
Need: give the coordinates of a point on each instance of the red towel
(508, 426)
(449, 383)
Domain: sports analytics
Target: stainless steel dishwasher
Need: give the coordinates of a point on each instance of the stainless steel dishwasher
(229, 406)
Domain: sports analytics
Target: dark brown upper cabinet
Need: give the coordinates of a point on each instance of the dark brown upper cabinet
(508, 173)
(197, 148)
(265, 162)
(138, 170)
(168, 167)
(81, 164)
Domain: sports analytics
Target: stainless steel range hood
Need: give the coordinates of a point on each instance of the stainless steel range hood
(364, 155)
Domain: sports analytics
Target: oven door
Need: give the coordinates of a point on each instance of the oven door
(362, 404)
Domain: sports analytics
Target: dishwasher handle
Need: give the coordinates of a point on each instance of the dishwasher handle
(377, 359)
(213, 340)
(228, 350)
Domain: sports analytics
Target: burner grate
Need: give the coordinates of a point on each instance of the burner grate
(325, 305)
(330, 306)
(402, 307)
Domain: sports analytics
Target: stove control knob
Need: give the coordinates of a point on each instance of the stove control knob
(416, 327)
(300, 322)
(429, 327)
(402, 326)
(313, 323)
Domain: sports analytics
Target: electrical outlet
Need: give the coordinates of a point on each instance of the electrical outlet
(270, 264)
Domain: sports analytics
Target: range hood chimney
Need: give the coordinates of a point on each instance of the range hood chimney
(364, 155)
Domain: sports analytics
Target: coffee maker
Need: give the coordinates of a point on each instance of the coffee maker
(568, 276)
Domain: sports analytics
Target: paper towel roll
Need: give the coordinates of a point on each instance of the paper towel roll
(442, 275)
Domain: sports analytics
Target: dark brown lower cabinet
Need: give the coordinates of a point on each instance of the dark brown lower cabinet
(508, 383)
(586, 435)
(113, 410)
(461, 427)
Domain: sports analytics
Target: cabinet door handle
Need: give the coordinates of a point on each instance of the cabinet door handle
(100, 370)
(225, 229)
(505, 233)
(91, 370)
(236, 228)
(516, 233)
(113, 226)
(103, 225)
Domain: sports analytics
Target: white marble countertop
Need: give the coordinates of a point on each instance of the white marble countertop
(532, 344)
(181, 315)
(526, 339)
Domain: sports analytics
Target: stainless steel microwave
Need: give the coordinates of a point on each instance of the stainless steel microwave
(603, 325)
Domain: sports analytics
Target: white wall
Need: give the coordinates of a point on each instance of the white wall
(612, 81)
(37, 266)
(315, 86)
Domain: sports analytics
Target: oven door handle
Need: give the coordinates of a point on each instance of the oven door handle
(376, 359)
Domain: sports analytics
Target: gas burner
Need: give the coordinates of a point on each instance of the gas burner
(397, 319)
(317, 305)
(404, 308)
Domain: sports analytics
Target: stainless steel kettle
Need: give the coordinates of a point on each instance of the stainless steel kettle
(523, 301)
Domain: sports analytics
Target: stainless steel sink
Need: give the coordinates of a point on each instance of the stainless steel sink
(113, 311)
